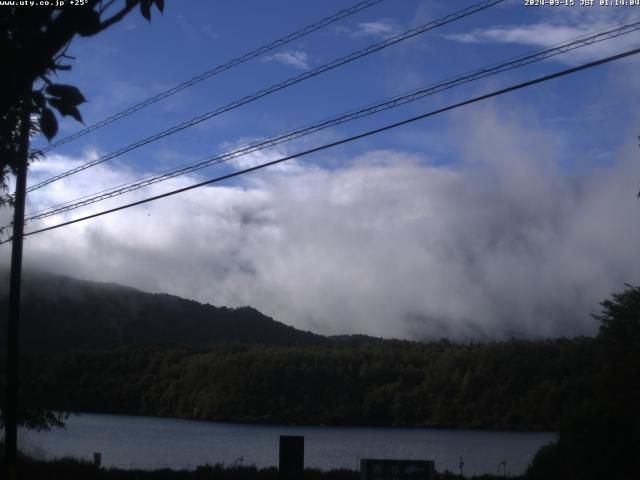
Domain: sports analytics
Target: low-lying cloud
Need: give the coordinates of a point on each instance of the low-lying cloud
(501, 243)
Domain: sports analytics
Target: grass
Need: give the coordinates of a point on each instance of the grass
(73, 469)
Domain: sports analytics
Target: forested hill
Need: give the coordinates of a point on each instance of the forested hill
(106, 348)
(60, 313)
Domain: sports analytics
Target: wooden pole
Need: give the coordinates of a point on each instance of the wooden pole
(15, 283)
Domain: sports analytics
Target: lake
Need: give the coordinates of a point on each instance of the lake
(151, 443)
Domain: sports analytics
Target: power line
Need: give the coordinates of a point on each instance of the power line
(496, 93)
(215, 71)
(340, 119)
(276, 87)
(371, 109)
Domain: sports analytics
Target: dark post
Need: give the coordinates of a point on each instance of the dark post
(291, 457)
(15, 281)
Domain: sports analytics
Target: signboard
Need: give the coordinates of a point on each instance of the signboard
(371, 469)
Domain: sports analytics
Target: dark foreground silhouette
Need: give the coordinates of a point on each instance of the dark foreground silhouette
(70, 469)
(601, 438)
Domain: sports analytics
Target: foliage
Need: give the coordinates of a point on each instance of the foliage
(602, 437)
(509, 385)
(71, 469)
(33, 48)
(620, 325)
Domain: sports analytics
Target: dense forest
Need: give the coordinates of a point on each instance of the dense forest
(511, 385)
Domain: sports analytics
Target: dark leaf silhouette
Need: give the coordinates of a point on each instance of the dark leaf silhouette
(38, 99)
(69, 94)
(48, 123)
(65, 109)
(90, 24)
(34, 49)
(145, 9)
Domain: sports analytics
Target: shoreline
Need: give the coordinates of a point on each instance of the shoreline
(257, 423)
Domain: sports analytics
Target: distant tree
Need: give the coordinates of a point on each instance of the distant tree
(34, 40)
(33, 47)
(620, 324)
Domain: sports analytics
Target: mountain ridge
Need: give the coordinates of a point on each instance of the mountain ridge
(60, 312)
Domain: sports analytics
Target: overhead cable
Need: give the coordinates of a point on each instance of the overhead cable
(215, 71)
(496, 93)
(394, 102)
(276, 87)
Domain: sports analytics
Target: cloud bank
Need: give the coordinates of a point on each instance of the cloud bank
(502, 243)
(563, 25)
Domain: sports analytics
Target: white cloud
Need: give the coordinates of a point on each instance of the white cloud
(384, 28)
(536, 34)
(567, 25)
(379, 29)
(208, 31)
(295, 59)
(501, 244)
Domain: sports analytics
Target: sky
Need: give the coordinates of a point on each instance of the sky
(512, 217)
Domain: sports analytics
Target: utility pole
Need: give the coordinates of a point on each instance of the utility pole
(15, 282)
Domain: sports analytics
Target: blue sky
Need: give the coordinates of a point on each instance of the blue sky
(484, 222)
(136, 59)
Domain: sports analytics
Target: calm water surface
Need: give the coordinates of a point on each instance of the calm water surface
(150, 443)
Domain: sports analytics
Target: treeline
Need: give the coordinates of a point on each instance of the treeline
(507, 385)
